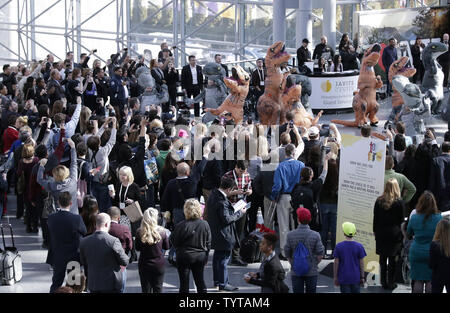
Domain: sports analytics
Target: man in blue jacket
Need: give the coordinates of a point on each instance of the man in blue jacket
(117, 90)
(287, 175)
(389, 56)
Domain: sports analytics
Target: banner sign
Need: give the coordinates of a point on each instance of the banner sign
(361, 182)
(332, 92)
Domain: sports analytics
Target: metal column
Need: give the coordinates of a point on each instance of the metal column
(279, 20)
(329, 22)
(304, 25)
(175, 9)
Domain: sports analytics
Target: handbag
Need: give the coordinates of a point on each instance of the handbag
(133, 212)
(49, 206)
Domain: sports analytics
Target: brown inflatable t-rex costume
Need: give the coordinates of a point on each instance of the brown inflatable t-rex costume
(399, 68)
(269, 107)
(365, 101)
(291, 97)
(234, 102)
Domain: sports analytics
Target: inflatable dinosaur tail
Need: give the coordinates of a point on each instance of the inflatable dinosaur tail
(345, 123)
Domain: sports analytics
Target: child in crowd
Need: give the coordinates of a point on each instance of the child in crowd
(349, 261)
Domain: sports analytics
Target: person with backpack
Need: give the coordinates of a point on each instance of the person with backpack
(271, 273)
(306, 193)
(304, 250)
(349, 261)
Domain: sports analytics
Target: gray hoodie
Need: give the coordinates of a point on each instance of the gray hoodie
(69, 184)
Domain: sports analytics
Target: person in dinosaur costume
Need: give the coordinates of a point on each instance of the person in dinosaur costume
(433, 78)
(399, 67)
(291, 101)
(238, 84)
(365, 101)
(416, 104)
(270, 104)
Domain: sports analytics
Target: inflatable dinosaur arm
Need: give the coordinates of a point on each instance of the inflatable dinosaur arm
(316, 119)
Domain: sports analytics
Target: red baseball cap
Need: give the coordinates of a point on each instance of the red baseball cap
(303, 215)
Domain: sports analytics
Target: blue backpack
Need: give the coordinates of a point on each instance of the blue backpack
(300, 264)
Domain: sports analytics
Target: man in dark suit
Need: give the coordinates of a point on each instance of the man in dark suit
(303, 54)
(218, 59)
(65, 229)
(440, 178)
(54, 88)
(103, 257)
(192, 81)
(221, 219)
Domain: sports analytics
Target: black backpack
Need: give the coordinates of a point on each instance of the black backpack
(303, 195)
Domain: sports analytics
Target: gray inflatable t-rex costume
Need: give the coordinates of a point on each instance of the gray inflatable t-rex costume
(416, 105)
(214, 93)
(433, 78)
(151, 94)
(305, 82)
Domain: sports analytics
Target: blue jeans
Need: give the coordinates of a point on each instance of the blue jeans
(350, 288)
(300, 282)
(178, 216)
(329, 219)
(101, 193)
(220, 270)
(124, 281)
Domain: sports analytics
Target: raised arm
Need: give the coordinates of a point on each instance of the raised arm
(45, 183)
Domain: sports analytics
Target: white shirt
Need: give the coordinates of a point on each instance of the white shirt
(194, 75)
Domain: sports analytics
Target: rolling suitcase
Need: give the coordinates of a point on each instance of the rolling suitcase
(10, 260)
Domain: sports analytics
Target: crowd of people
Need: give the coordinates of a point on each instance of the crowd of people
(79, 152)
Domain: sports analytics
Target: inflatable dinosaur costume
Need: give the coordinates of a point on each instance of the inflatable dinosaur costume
(291, 101)
(151, 95)
(270, 104)
(433, 78)
(234, 103)
(365, 101)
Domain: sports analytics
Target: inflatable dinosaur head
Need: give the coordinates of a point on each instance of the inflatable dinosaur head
(371, 55)
(213, 69)
(276, 55)
(144, 77)
(401, 67)
(433, 50)
(240, 75)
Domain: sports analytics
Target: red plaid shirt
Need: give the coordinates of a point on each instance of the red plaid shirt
(239, 180)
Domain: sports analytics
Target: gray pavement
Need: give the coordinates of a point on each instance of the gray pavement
(37, 274)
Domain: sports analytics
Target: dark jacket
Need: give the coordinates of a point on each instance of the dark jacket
(159, 76)
(387, 228)
(256, 78)
(349, 60)
(117, 91)
(440, 181)
(388, 57)
(122, 233)
(58, 91)
(152, 255)
(191, 239)
(221, 219)
(440, 264)
(137, 164)
(303, 55)
(66, 230)
(102, 256)
(133, 193)
(186, 77)
(172, 198)
(322, 48)
(212, 173)
(263, 183)
(274, 276)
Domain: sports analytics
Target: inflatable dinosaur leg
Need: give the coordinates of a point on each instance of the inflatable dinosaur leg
(217, 111)
(316, 119)
(359, 107)
(372, 110)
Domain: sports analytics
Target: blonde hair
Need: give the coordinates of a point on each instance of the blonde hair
(84, 118)
(334, 151)
(156, 123)
(23, 120)
(263, 147)
(200, 129)
(28, 151)
(442, 235)
(60, 173)
(192, 209)
(26, 128)
(391, 193)
(129, 172)
(150, 230)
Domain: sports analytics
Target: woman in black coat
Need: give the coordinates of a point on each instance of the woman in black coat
(172, 77)
(440, 257)
(387, 220)
(192, 241)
